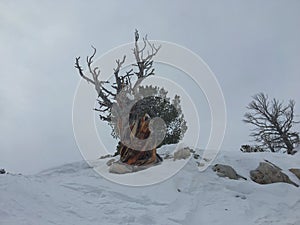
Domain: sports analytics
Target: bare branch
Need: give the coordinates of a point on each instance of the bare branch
(77, 66)
(144, 64)
(116, 73)
(129, 81)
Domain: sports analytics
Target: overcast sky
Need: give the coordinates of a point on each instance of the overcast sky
(251, 46)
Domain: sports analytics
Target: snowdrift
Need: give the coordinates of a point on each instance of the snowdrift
(76, 194)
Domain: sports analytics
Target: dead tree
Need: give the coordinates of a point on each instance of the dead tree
(113, 97)
(273, 123)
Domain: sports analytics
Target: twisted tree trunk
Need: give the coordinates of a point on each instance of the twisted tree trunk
(139, 129)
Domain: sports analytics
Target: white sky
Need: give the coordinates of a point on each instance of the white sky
(250, 46)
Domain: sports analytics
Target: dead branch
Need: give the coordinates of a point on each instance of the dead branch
(107, 94)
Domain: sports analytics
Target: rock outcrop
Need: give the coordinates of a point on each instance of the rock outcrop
(267, 173)
(227, 171)
(296, 172)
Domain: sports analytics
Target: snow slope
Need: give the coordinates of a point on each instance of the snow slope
(76, 194)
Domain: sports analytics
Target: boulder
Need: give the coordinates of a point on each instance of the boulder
(184, 153)
(267, 173)
(119, 167)
(2, 171)
(296, 172)
(227, 171)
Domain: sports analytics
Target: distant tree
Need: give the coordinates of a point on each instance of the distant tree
(273, 123)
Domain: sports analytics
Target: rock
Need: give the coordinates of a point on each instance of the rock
(120, 168)
(273, 164)
(267, 173)
(296, 172)
(241, 196)
(248, 148)
(2, 171)
(105, 156)
(110, 162)
(192, 151)
(182, 154)
(196, 156)
(200, 164)
(227, 171)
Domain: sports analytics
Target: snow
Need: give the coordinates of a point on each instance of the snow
(76, 194)
(156, 174)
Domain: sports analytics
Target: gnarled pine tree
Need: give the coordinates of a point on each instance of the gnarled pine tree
(113, 97)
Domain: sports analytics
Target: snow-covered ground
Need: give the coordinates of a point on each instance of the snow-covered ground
(76, 194)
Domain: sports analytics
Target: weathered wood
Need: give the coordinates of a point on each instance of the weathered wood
(140, 129)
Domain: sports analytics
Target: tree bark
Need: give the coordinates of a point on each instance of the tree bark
(139, 157)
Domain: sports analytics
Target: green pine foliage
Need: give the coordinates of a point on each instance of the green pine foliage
(157, 104)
